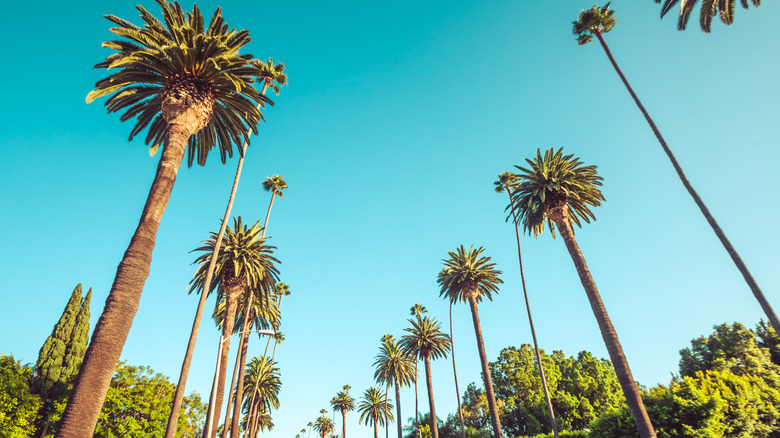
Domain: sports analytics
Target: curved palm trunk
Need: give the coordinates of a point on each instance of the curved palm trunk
(491, 397)
(531, 322)
(113, 326)
(429, 384)
(398, 408)
(241, 363)
(228, 322)
(762, 301)
(455, 373)
(227, 424)
(619, 362)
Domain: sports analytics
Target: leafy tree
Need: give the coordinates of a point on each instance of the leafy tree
(77, 345)
(19, 406)
(709, 8)
(187, 84)
(766, 337)
(561, 189)
(138, 403)
(343, 402)
(506, 181)
(597, 21)
(475, 407)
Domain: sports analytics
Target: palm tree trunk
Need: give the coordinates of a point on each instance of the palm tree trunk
(491, 397)
(455, 373)
(398, 409)
(531, 321)
(231, 298)
(762, 301)
(343, 423)
(376, 430)
(416, 407)
(241, 362)
(384, 411)
(429, 384)
(113, 326)
(227, 423)
(619, 362)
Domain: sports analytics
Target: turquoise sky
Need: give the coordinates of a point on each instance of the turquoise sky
(398, 118)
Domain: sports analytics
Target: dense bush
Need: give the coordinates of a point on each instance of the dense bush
(18, 405)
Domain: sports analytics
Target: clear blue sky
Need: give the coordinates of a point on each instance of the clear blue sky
(398, 118)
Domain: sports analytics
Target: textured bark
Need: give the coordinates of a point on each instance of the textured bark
(633, 397)
(343, 423)
(113, 326)
(762, 301)
(429, 385)
(240, 363)
(531, 321)
(455, 374)
(491, 397)
(416, 406)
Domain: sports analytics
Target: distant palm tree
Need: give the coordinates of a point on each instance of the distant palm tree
(597, 21)
(724, 9)
(394, 366)
(282, 290)
(274, 184)
(468, 277)
(560, 189)
(187, 84)
(416, 310)
(323, 425)
(261, 394)
(343, 402)
(506, 182)
(374, 409)
(425, 339)
(245, 262)
(310, 424)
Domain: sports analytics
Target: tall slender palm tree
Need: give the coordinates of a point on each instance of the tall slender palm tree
(723, 8)
(261, 394)
(394, 366)
(560, 189)
(245, 262)
(323, 425)
(282, 290)
(597, 21)
(506, 181)
(343, 402)
(310, 424)
(274, 78)
(187, 84)
(276, 184)
(417, 310)
(375, 409)
(425, 339)
(468, 277)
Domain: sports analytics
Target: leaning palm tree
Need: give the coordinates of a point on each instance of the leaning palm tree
(323, 425)
(468, 277)
(723, 8)
(244, 263)
(597, 21)
(417, 310)
(560, 189)
(426, 340)
(261, 393)
(506, 181)
(187, 83)
(343, 402)
(374, 409)
(274, 78)
(394, 366)
(274, 184)
(282, 290)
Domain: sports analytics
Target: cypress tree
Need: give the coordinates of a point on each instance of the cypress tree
(77, 346)
(48, 368)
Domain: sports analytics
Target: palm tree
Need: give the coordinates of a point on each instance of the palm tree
(506, 181)
(560, 189)
(394, 366)
(344, 403)
(282, 290)
(189, 86)
(245, 262)
(724, 9)
(310, 424)
(417, 310)
(323, 425)
(425, 339)
(468, 277)
(274, 78)
(374, 409)
(276, 184)
(262, 376)
(597, 21)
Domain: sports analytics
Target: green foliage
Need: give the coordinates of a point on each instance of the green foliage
(581, 388)
(374, 408)
(77, 346)
(709, 8)
(573, 434)
(465, 273)
(18, 405)
(475, 407)
(49, 381)
(593, 21)
(138, 403)
(766, 337)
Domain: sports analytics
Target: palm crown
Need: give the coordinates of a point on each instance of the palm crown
(506, 180)
(393, 364)
(465, 273)
(425, 338)
(276, 184)
(273, 74)
(596, 20)
(167, 67)
(373, 407)
(262, 379)
(343, 401)
(552, 181)
(323, 425)
(709, 8)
